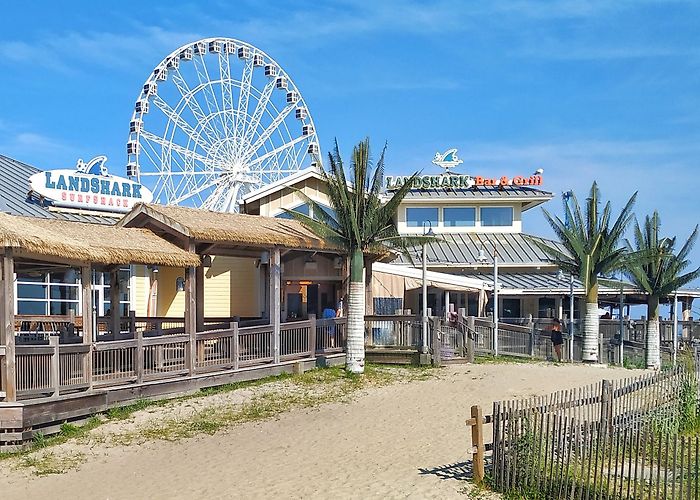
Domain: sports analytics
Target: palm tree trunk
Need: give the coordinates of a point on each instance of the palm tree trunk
(591, 331)
(591, 326)
(355, 351)
(653, 343)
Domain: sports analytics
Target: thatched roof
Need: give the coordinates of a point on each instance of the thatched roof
(95, 243)
(218, 227)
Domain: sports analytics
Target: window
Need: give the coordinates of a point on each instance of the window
(415, 217)
(44, 293)
(459, 217)
(497, 216)
(302, 209)
(546, 307)
(510, 308)
(101, 292)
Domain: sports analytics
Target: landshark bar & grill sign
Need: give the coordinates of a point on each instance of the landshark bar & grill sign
(89, 186)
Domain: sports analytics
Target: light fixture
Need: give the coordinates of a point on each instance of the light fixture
(180, 284)
(560, 275)
(206, 260)
(153, 268)
(482, 256)
(310, 259)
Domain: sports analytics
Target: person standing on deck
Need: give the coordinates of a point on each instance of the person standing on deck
(557, 338)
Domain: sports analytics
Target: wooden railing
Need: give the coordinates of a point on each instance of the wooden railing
(393, 331)
(51, 370)
(58, 369)
(331, 335)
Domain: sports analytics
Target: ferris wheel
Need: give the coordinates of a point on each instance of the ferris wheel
(216, 119)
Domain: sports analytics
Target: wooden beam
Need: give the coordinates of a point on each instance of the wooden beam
(8, 322)
(275, 284)
(87, 313)
(191, 312)
(199, 297)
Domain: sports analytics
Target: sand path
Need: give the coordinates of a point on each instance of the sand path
(398, 441)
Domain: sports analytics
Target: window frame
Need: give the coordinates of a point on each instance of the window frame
(506, 207)
(447, 207)
(436, 223)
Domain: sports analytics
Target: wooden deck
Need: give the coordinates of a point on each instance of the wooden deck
(56, 383)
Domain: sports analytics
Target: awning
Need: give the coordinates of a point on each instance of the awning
(389, 280)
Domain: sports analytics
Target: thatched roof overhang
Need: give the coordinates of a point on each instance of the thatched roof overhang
(192, 225)
(90, 243)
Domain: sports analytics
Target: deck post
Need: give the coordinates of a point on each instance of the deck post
(191, 313)
(8, 367)
(531, 326)
(55, 365)
(138, 356)
(114, 306)
(275, 301)
(199, 296)
(471, 336)
(312, 335)
(236, 346)
(87, 315)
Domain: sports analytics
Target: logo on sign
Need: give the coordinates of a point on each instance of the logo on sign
(90, 186)
(447, 160)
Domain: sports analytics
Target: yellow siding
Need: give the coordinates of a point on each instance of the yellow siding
(217, 288)
(232, 288)
(170, 301)
(139, 294)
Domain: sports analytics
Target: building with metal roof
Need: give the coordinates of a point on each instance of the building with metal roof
(16, 198)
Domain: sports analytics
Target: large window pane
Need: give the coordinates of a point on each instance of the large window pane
(33, 277)
(497, 216)
(64, 292)
(546, 307)
(415, 217)
(63, 308)
(31, 307)
(31, 291)
(302, 209)
(511, 308)
(459, 217)
(69, 276)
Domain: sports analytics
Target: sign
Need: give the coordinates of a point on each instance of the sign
(89, 186)
(451, 180)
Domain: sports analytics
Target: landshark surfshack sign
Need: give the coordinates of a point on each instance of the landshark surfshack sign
(453, 180)
(89, 186)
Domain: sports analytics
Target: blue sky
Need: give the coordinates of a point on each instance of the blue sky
(586, 90)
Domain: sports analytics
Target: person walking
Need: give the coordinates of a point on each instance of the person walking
(557, 338)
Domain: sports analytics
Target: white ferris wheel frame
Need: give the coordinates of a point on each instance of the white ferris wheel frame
(222, 153)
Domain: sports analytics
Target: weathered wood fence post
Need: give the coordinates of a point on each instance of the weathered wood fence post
(471, 336)
(606, 402)
(236, 347)
(477, 424)
(435, 331)
(312, 335)
(138, 356)
(531, 327)
(55, 364)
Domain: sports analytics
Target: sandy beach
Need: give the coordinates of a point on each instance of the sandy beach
(403, 440)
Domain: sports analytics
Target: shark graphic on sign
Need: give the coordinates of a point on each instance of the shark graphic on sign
(447, 160)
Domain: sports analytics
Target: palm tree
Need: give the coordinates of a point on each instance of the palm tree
(362, 225)
(590, 248)
(658, 273)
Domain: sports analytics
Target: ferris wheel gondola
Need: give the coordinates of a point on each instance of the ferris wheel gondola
(215, 119)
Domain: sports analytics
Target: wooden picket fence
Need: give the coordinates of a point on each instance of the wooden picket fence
(616, 439)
